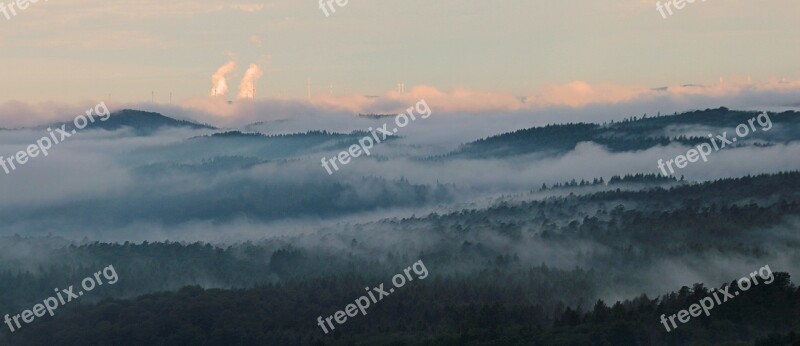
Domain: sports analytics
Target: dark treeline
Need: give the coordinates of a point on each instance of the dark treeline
(630, 135)
(522, 270)
(649, 179)
(436, 312)
(140, 122)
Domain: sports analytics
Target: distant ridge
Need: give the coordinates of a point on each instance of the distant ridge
(141, 122)
(631, 134)
(144, 123)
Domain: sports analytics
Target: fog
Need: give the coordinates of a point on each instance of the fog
(187, 185)
(89, 181)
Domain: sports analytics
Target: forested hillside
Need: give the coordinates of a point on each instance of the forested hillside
(489, 279)
(629, 135)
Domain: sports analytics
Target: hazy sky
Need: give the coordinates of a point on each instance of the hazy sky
(89, 49)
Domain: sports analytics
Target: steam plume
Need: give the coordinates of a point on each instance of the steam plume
(247, 87)
(218, 82)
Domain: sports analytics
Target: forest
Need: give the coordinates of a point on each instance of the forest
(556, 265)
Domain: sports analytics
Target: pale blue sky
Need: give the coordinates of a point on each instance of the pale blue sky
(88, 49)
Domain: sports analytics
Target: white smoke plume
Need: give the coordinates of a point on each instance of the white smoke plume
(218, 81)
(247, 86)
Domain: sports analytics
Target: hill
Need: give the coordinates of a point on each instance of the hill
(632, 134)
(142, 123)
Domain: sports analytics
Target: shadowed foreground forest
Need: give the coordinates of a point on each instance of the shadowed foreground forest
(441, 312)
(570, 264)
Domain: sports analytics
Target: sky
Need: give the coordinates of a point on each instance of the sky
(143, 50)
